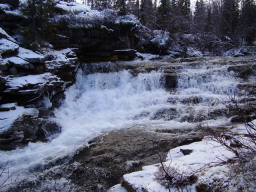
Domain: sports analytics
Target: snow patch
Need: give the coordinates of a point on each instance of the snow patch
(204, 154)
(129, 18)
(117, 188)
(17, 61)
(30, 56)
(161, 38)
(19, 82)
(7, 46)
(7, 118)
(73, 7)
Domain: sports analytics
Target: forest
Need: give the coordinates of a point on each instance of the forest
(229, 20)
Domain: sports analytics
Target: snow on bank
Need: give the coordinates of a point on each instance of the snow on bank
(7, 118)
(204, 154)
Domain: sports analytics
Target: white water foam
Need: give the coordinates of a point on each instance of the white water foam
(95, 103)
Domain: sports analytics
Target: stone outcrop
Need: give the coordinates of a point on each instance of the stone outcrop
(96, 41)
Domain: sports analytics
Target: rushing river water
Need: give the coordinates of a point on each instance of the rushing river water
(101, 102)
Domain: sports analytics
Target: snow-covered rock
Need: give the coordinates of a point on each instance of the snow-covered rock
(162, 38)
(4, 65)
(30, 56)
(33, 81)
(62, 63)
(3, 34)
(12, 113)
(8, 47)
(19, 125)
(30, 89)
(57, 59)
(128, 18)
(18, 62)
(204, 154)
(191, 52)
(72, 7)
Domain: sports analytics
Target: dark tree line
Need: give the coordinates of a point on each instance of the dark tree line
(230, 20)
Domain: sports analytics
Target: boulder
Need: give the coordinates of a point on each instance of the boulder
(28, 129)
(30, 56)
(30, 89)
(8, 47)
(62, 63)
(170, 80)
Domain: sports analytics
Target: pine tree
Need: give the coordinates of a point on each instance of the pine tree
(164, 14)
(230, 14)
(199, 16)
(147, 14)
(216, 18)
(248, 21)
(183, 13)
(120, 5)
(37, 27)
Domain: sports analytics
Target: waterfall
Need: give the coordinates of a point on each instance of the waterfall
(102, 102)
(95, 103)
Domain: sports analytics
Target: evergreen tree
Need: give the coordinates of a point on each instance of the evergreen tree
(147, 14)
(183, 15)
(216, 16)
(37, 27)
(208, 26)
(120, 5)
(164, 14)
(230, 14)
(199, 16)
(165, 7)
(248, 21)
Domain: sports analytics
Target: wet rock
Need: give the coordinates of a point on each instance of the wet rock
(186, 151)
(28, 129)
(237, 119)
(125, 54)
(120, 152)
(170, 80)
(166, 114)
(243, 71)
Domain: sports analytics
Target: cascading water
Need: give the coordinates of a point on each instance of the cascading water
(106, 101)
(95, 103)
